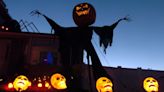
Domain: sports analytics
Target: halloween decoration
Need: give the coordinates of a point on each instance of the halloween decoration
(42, 82)
(21, 83)
(103, 84)
(73, 40)
(39, 85)
(47, 85)
(150, 84)
(10, 85)
(58, 81)
(84, 14)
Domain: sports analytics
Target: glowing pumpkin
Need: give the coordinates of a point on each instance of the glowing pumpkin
(103, 84)
(84, 14)
(58, 81)
(150, 84)
(21, 83)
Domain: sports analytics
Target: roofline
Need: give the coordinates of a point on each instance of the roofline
(25, 35)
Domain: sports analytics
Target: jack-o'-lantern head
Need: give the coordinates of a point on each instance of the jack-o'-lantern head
(21, 83)
(84, 14)
(150, 84)
(103, 84)
(58, 81)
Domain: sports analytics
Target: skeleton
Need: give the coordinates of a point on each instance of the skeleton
(21, 83)
(58, 81)
(103, 84)
(150, 84)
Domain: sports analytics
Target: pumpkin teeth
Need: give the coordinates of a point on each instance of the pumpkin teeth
(85, 12)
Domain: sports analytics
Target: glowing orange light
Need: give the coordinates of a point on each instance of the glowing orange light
(39, 85)
(47, 84)
(10, 85)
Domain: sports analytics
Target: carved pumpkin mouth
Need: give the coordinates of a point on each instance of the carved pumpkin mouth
(83, 12)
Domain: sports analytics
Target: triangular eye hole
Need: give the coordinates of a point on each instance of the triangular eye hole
(85, 6)
(57, 78)
(78, 8)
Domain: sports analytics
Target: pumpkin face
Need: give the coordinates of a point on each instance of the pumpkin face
(103, 84)
(21, 83)
(150, 84)
(84, 14)
(58, 81)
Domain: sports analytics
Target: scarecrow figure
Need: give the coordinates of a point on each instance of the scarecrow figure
(74, 40)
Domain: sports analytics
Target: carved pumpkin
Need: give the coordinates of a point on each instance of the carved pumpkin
(103, 84)
(58, 81)
(21, 83)
(150, 84)
(84, 14)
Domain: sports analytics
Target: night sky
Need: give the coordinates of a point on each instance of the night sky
(138, 43)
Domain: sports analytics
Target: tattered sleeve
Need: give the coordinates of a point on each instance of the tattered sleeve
(106, 34)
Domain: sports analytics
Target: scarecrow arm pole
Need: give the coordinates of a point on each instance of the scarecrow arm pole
(52, 23)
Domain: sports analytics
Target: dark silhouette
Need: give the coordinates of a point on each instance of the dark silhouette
(73, 40)
(7, 23)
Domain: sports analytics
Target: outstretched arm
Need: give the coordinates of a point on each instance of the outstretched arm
(52, 23)
(106, 33)
(126, 18)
